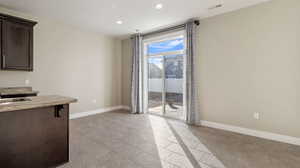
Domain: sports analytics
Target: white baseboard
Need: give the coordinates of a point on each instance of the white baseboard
(98, 111)
(251, 132)
(126, 108)
(241, 130)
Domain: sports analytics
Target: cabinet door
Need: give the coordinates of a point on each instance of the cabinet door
(50, 137)
(17, 42)
(15, 138)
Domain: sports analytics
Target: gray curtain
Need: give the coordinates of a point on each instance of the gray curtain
(190, 74)
(136, 75)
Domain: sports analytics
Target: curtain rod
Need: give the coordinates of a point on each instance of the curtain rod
(196, 22)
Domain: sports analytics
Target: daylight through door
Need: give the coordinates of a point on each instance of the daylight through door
(165, 78)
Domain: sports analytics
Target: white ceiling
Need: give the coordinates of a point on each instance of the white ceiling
(101, 15)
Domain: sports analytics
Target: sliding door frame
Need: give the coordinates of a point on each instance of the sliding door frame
(170, 36)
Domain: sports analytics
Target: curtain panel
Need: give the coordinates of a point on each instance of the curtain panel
(136, 75)
(191, 98)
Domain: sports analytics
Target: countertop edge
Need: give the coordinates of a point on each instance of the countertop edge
(38, 102)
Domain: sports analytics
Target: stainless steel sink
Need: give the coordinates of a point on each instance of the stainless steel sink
(8, 101)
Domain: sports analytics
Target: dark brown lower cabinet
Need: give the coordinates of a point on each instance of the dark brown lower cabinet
(35, 138)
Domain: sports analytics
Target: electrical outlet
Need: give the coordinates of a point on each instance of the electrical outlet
(94, 101)
(256, 116)
(27, 82)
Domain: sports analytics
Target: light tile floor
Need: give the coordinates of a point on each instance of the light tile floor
(122, 140)
(170, 112)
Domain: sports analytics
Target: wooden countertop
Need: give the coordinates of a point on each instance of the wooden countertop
(7, 105)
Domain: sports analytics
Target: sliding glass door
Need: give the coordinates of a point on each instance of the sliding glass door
(156, 85)
(173, 85)
(165, 77)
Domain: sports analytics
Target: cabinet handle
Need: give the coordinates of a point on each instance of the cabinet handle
(57, 111)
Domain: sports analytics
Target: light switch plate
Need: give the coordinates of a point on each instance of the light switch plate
(27, 82)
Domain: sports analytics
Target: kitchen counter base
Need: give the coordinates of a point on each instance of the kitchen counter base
(37, 137)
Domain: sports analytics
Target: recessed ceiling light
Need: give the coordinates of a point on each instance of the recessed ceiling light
(159, 6)
(119, 22)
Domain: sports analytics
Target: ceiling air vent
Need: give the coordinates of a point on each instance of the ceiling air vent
(216, 6)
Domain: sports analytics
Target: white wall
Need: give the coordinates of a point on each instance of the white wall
(126, 71)
(71, 62)
(249, 61)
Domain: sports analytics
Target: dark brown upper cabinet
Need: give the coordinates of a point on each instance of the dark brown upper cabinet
(16, 43)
